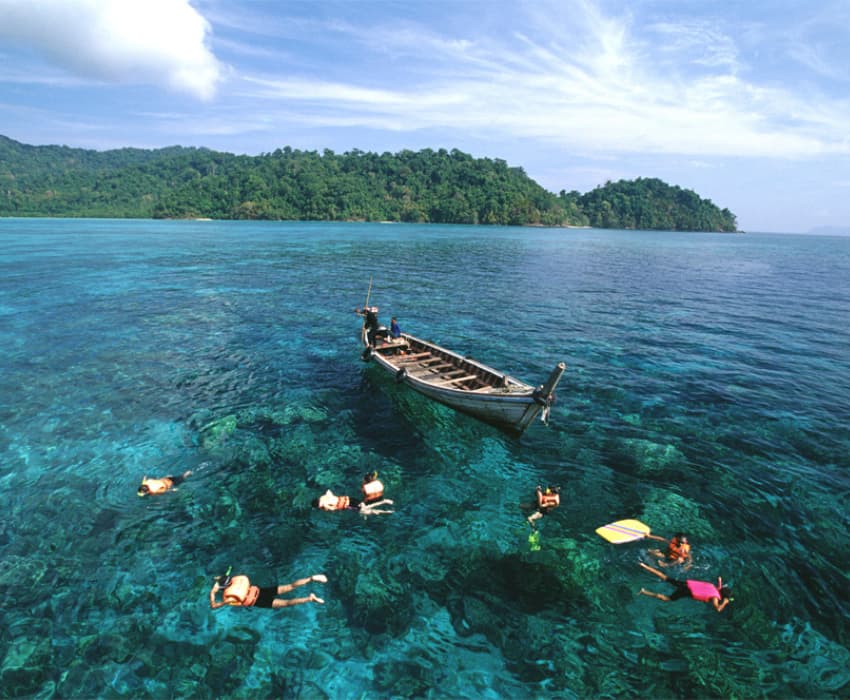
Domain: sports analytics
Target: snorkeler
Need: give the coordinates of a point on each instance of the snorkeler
(238, 591)
(329, 501)
(678, 552)
(547, 500)
(719, 595)
(156, 487)
(373, 490)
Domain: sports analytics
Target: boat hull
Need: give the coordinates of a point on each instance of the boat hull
(462, 383)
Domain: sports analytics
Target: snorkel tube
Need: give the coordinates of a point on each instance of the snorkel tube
(224, 580)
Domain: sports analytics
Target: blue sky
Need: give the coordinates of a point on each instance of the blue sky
(745, 102)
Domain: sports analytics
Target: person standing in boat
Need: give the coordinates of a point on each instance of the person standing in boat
(395, 329)
(719, 596)
(240, 592)
(370, 320)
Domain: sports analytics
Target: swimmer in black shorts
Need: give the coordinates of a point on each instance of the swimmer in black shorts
(238, 591)
(704, 591)
(547, 500)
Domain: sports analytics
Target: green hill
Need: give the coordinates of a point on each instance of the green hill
(423, 186)
(651, 204)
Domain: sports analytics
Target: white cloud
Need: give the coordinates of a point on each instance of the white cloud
(572, 77)
(160, 42)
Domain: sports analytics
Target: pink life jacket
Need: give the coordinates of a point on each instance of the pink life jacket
(702, 590)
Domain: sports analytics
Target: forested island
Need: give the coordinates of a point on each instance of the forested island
(424, 186)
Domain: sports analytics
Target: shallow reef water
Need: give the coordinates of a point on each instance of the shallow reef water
(707, 391)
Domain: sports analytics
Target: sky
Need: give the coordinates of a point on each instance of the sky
(746, 102)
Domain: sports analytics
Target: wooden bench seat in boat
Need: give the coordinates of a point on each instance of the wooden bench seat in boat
(454, 371)
(437, 368)
(415, 357)
(457, 380)
(426, 372)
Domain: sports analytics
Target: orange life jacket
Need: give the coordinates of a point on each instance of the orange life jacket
(331, 502)
(373, 490)
(157, 486)
(548, 500)
(676, 550)
(240, 592)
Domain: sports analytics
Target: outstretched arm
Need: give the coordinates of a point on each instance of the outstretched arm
(213, 604)
(371, 508)
(364, 505)
(718, 606)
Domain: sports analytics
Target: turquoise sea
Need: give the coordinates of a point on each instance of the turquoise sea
(707, 390)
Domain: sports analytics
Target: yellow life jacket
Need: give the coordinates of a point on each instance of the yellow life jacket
(373, 490)
(240, 592)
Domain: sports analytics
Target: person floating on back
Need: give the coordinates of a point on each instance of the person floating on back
(240, 592)
(329, 501)
(678, 552)
(157, 487)
(719, 596)
(547, 500)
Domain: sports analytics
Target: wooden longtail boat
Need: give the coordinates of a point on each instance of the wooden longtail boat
(462, 383)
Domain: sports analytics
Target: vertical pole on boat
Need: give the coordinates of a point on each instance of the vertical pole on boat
(547, 391)
(368, 294)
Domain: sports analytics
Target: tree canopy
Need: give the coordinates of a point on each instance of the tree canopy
(651, 204)
(414, 186)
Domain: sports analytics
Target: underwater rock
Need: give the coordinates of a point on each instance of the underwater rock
(217, 432)
(478, 617)
(669, 512)
(577, 568)
(299, 412)
(817, 664)
(652, 457)
(81, 680)
(373, 599)
(26, 667)
(427, 565)
(229, 664)
(404, 679)
(19, 578)
(381, 604)
(256, 452)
